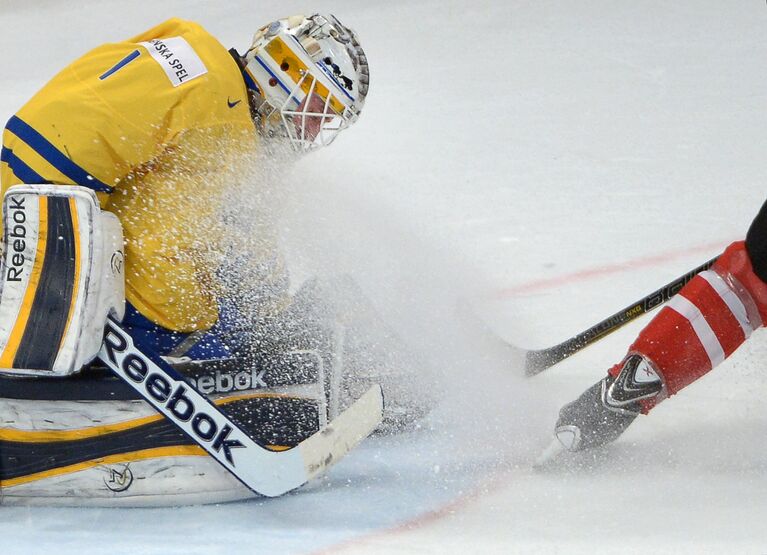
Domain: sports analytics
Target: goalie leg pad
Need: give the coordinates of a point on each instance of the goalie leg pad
(62, 273)
(704, 324)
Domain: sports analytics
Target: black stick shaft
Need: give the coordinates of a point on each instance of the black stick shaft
(539, 360)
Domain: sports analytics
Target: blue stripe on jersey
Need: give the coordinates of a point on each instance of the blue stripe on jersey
(158, 338)
(54, 157)
(163, 341)
(19, 168)
(121, 64)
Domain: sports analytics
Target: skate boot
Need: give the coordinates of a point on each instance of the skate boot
(604, 411)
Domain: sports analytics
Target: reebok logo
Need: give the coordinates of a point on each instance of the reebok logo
(171, 397)
(17, 234)
(224, 382)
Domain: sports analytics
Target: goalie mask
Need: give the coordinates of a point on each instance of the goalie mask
(310, 79)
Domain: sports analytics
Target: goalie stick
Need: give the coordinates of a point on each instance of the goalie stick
(265, 472)
(538, 360)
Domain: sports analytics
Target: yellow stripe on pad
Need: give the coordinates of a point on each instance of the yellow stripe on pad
(53, 436)
(122, 458)
(177, 451)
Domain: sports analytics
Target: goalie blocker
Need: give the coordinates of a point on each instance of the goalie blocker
(83, 440)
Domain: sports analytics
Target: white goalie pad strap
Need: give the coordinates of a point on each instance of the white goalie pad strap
(62, 274)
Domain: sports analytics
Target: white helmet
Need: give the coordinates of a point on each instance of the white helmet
(310, 79)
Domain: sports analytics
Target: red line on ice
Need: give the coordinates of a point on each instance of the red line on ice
(601, 271)
(465, 499)
(420, 521)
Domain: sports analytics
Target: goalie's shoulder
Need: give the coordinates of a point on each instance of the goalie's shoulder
(174, 26)
(179, 40)
(199, 73)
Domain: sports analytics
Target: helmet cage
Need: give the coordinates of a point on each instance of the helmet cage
(313, 123)
(312, 82)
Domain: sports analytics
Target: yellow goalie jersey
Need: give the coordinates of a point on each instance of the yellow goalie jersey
(159, 126)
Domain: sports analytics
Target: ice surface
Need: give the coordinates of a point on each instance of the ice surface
(551, 161)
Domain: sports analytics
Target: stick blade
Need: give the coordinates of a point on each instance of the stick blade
(329, 445)
(536, 362)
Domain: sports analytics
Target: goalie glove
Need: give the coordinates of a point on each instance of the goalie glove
(604, 411)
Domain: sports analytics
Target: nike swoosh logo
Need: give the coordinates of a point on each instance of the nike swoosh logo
(232, 104)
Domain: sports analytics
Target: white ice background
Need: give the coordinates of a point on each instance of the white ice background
(546, 162)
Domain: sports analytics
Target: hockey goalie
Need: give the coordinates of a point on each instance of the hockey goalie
(116, 181)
